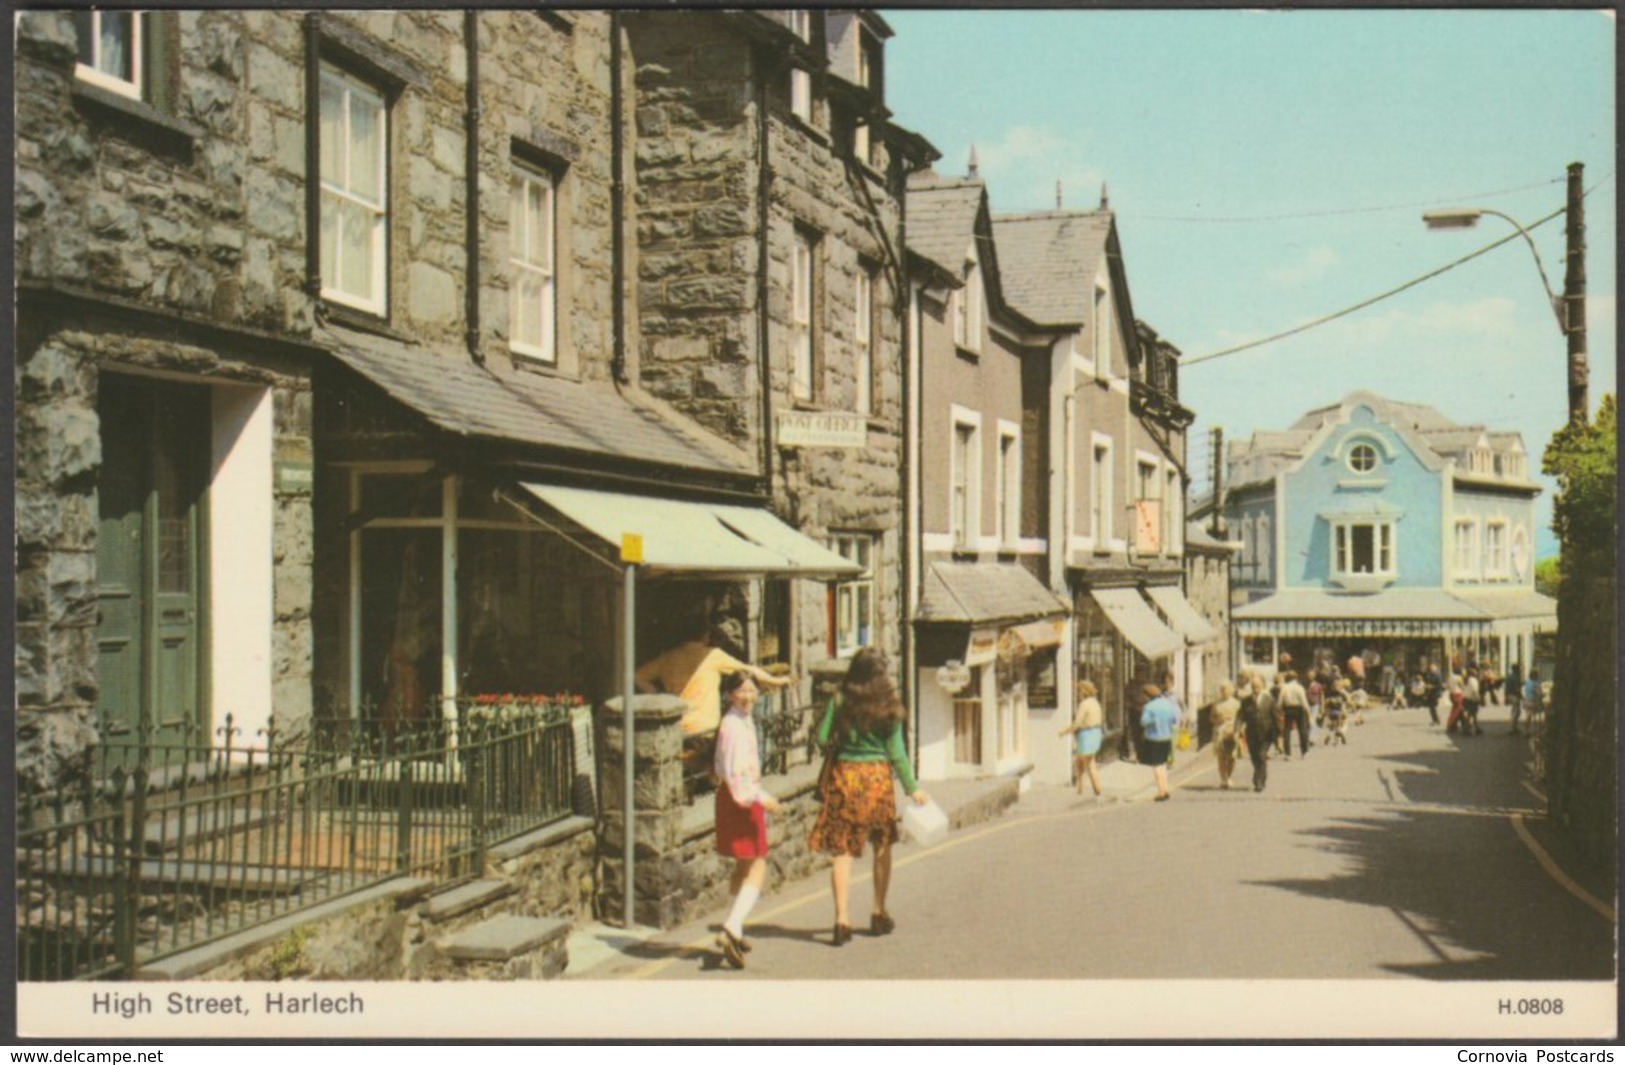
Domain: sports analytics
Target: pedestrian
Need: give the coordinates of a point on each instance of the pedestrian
(1294, 704)
(1087, 730)
(1225, 741)
(865, 723)
(1471, 699)
(1159, 720)
(1337, 704)
(1257, 718)
(1531, 696)
(1355, 670)
(1457, 702)
(741, 811)
(1514, 690)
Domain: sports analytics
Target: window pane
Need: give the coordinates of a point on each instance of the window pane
(117, 52)
(329, 256)
(85, 25)
(332, 133)
(356, 254)
(366, 148)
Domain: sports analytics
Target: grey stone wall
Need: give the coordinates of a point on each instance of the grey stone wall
(698, 163)
(189, 209)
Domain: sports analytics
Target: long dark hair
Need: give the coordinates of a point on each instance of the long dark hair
(868, 698)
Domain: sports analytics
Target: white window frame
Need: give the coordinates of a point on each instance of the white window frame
(1266, 550)
(800, 24)
(544, 348)
(1007, 493)
(803, 364)
(851, 619)
(92, 72)
(966, 477)
(1383, 538)
(1102, 521)
(1464, 550)
(341, 195)
(1361, 448)
(1101, 349)
(1249, 549)
(1496, 562)
(864, 340)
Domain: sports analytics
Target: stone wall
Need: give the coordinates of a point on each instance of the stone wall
(158, 237)
(396, 939)
(679, 876)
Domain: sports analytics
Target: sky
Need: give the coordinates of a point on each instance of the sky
(1268, 168)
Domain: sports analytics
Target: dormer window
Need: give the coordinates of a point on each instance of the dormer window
(968, 306)
(1480, 460)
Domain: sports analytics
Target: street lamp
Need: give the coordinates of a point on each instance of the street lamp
(1569, 307)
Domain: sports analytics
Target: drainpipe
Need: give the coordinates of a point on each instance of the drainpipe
(764, 187)
(904, 304)
(617, 205)
(471, 170)
(313, 158)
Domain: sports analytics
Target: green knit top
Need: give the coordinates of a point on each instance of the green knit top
(861, 745)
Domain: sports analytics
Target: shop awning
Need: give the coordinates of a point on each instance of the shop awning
(695, 539)
(1138, 623)
(1181, 615)
(1037, 635)
(1396, 612)
(983, 593)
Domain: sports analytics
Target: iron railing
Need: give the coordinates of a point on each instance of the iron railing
(166, 847)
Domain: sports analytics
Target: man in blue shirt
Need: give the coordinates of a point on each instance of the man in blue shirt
(1159, 719)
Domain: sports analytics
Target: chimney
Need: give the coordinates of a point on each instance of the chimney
(1057, 194)
(1105, 201)
(971, 165)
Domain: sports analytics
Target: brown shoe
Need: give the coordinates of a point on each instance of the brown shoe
(732, 949)
(881, 925)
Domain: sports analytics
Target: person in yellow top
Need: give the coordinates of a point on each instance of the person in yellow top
(694, 670)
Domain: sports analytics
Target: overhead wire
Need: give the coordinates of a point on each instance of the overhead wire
(1363, 304)
(1334, 212)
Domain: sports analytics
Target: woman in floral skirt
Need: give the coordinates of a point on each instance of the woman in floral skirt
(865, 722)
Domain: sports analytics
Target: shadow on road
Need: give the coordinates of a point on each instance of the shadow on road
(1437, 873)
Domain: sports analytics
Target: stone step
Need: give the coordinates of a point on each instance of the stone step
(460, 900)
(504, 938)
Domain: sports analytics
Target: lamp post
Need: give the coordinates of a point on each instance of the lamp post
(1570, 307)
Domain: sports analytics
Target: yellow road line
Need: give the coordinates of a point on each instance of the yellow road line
(1557, 874)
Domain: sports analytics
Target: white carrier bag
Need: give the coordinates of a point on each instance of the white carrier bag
(926, 825)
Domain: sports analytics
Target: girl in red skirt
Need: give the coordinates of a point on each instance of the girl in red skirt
(742, 809)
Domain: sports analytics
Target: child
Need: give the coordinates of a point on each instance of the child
(742, 809)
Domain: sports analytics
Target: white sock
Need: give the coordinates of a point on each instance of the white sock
(743, 903)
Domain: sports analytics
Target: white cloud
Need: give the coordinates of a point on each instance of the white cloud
(1022, 165)
(1315, 265)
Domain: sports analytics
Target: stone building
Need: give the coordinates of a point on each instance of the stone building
(769, 232)
(164, 366)
(1208, 558)
(992, 638)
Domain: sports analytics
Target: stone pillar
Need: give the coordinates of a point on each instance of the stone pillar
(657, 803)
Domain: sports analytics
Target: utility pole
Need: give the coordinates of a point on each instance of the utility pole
(1216, 523)
(1574, 300)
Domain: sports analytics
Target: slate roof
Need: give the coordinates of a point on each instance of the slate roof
(459, 397)
(1431, 429)
(942, 219)
(1049, 261)
(980, 592)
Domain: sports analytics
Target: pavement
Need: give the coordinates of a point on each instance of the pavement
(1407, 853)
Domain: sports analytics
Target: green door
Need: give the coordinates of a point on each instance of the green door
(155, 453)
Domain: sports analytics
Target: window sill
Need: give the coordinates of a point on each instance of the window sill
(968, 354)
(138, 113)
(1363, 582)
(361, 321)
(801, 125)
(530, 364)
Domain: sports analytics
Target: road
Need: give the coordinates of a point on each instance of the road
(1407, 853)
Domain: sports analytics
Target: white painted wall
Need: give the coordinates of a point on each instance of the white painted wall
(240, 559)
(936, 716)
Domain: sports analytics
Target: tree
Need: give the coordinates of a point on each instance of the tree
(1549, 576)
(1583, 459)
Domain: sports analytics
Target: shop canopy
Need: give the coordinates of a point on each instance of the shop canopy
(1138, 623)
(694, 539)
(1181, 615)
(1397, 612)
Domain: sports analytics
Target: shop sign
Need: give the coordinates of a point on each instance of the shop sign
(1148, 526)
(293, 473)
(983, 647)
(1419, 627)
(799, 428)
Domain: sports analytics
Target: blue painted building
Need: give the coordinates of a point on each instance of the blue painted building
(1385, 530)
